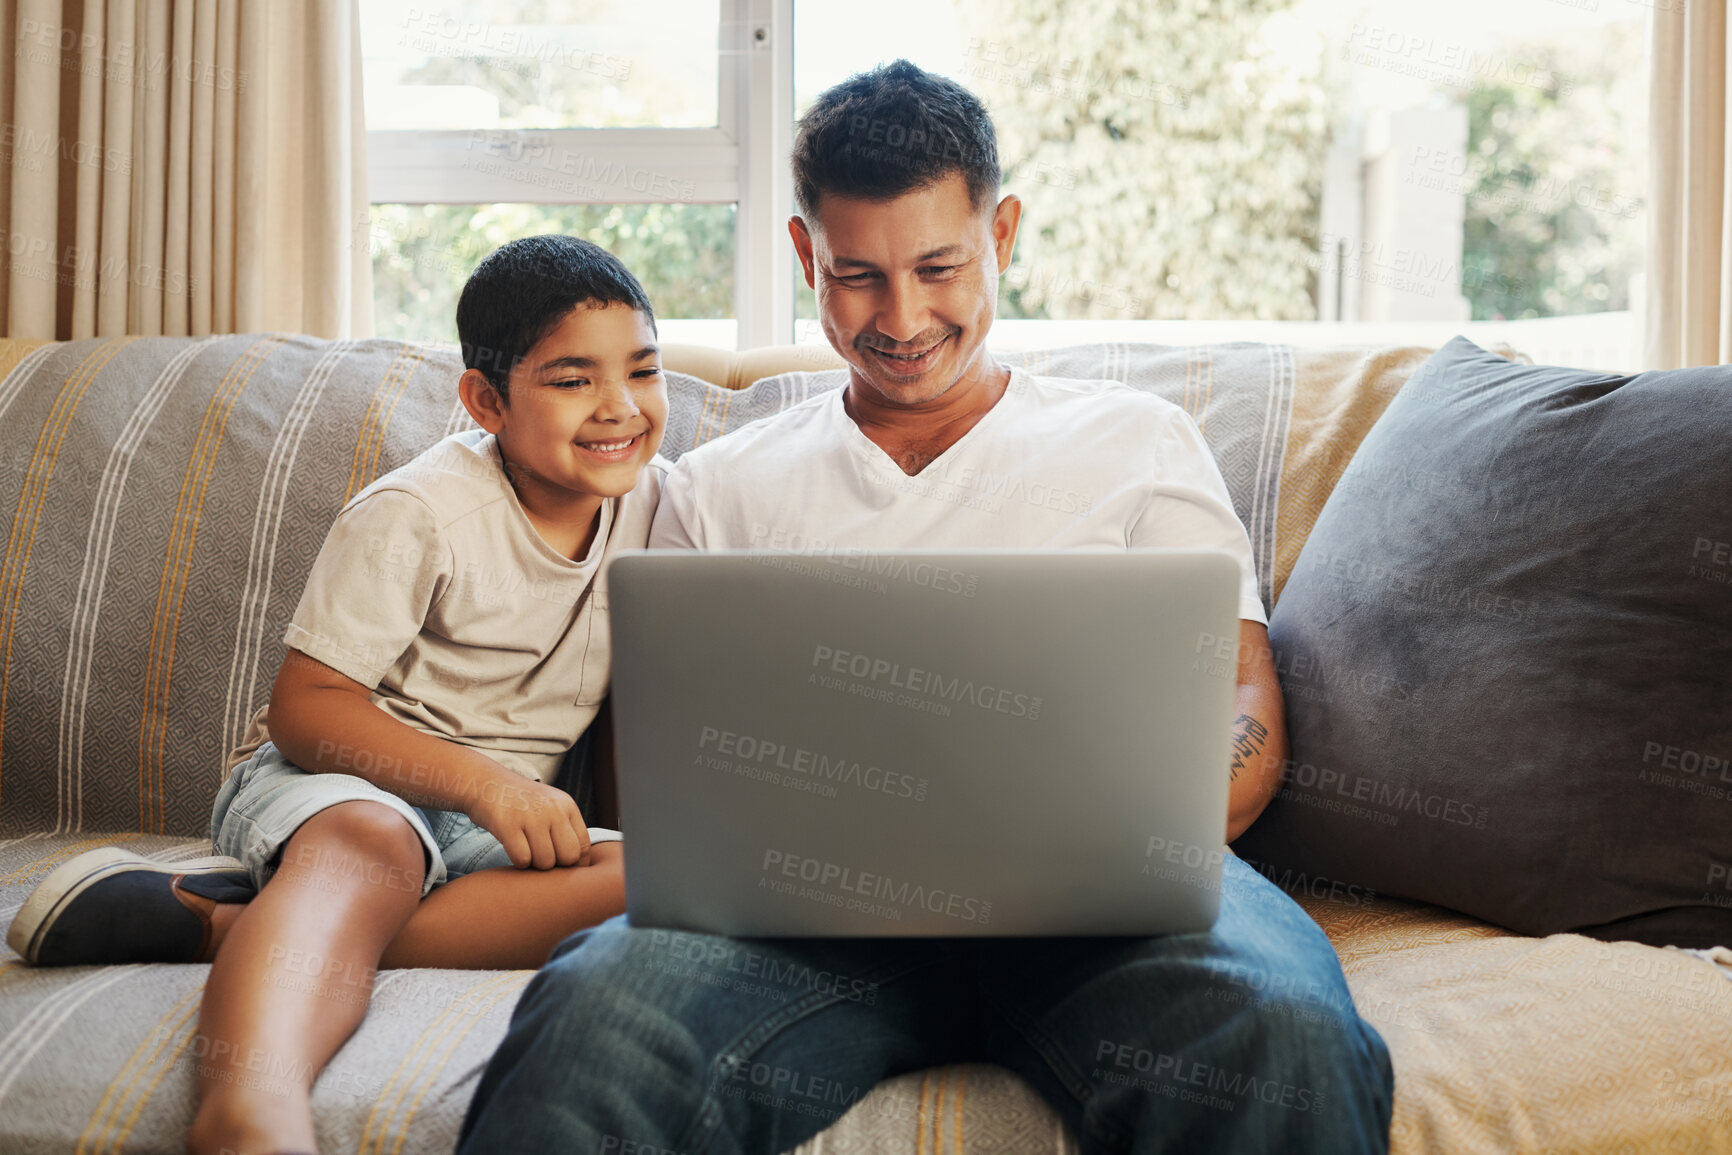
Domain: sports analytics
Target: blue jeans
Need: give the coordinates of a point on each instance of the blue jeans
(1243, 1039)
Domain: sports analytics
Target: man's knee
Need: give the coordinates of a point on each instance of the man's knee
(1304, 1028)
(609, 985)
(1319, 1021)
(610, 936)
(614, 964)
(619, 944)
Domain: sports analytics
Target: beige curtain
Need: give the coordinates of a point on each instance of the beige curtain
(1688, 311)
(175, 167)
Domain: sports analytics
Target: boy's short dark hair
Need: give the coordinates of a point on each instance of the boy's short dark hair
(886, 132)
(522, 289)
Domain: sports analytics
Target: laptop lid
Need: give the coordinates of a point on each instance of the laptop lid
(924, 742)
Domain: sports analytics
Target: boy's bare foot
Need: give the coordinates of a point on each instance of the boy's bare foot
(252, 1122)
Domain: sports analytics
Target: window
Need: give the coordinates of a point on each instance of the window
(1327, 169)
(643, 126)
(1415, 167)
(595, 64)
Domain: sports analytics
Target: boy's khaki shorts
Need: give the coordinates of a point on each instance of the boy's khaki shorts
(266, 798)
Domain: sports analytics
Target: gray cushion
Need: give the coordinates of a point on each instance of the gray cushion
(1506, 650)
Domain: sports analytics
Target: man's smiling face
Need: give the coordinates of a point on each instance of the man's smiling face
(907, 287)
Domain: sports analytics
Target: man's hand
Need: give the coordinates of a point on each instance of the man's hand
(539, 825)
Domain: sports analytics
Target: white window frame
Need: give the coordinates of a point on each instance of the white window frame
(742, 160)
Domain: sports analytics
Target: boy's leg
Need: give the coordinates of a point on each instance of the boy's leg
(503, 918)
(651, 1040)
(294, 975)
(1242, 1040)
(490, 915)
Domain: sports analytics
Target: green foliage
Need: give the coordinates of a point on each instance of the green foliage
(422, 254)
(1554, 221)
(1169, 155)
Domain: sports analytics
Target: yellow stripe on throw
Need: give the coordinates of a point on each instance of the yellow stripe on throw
(703, 420)
(1192, 391)
(961, 1076)
(70, 850)
(1208, 389)
(370, 441)
(938, 1113)
(454, 1039)
(33, 496)
(119, 1089)
(390, 410)
(171, 587)
(473, 1002)
(162, 1068)
(727, 408)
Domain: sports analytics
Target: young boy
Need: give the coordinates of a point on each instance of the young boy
(449, 650)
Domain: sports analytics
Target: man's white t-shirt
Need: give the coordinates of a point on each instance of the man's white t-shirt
(1056, 464)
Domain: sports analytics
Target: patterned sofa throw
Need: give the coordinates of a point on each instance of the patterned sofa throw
(1506, 650)
(161, 500)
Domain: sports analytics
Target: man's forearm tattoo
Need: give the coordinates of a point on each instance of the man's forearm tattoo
(1249, 736)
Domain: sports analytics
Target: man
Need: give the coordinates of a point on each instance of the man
(1243, 1039)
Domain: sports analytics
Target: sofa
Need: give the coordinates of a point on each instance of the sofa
(162, 500)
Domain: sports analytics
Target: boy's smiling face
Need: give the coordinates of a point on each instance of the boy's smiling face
(584, 412)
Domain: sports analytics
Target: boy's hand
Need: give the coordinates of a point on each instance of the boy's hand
(320, 718)
(539, 825)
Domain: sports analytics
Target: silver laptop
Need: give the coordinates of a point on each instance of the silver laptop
(924, 742)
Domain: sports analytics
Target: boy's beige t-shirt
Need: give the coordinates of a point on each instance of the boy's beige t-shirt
(434, 590)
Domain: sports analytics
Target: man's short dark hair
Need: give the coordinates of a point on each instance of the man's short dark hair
(892, 130)
(522, 289)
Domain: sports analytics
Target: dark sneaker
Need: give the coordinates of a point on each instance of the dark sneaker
(107, 906)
